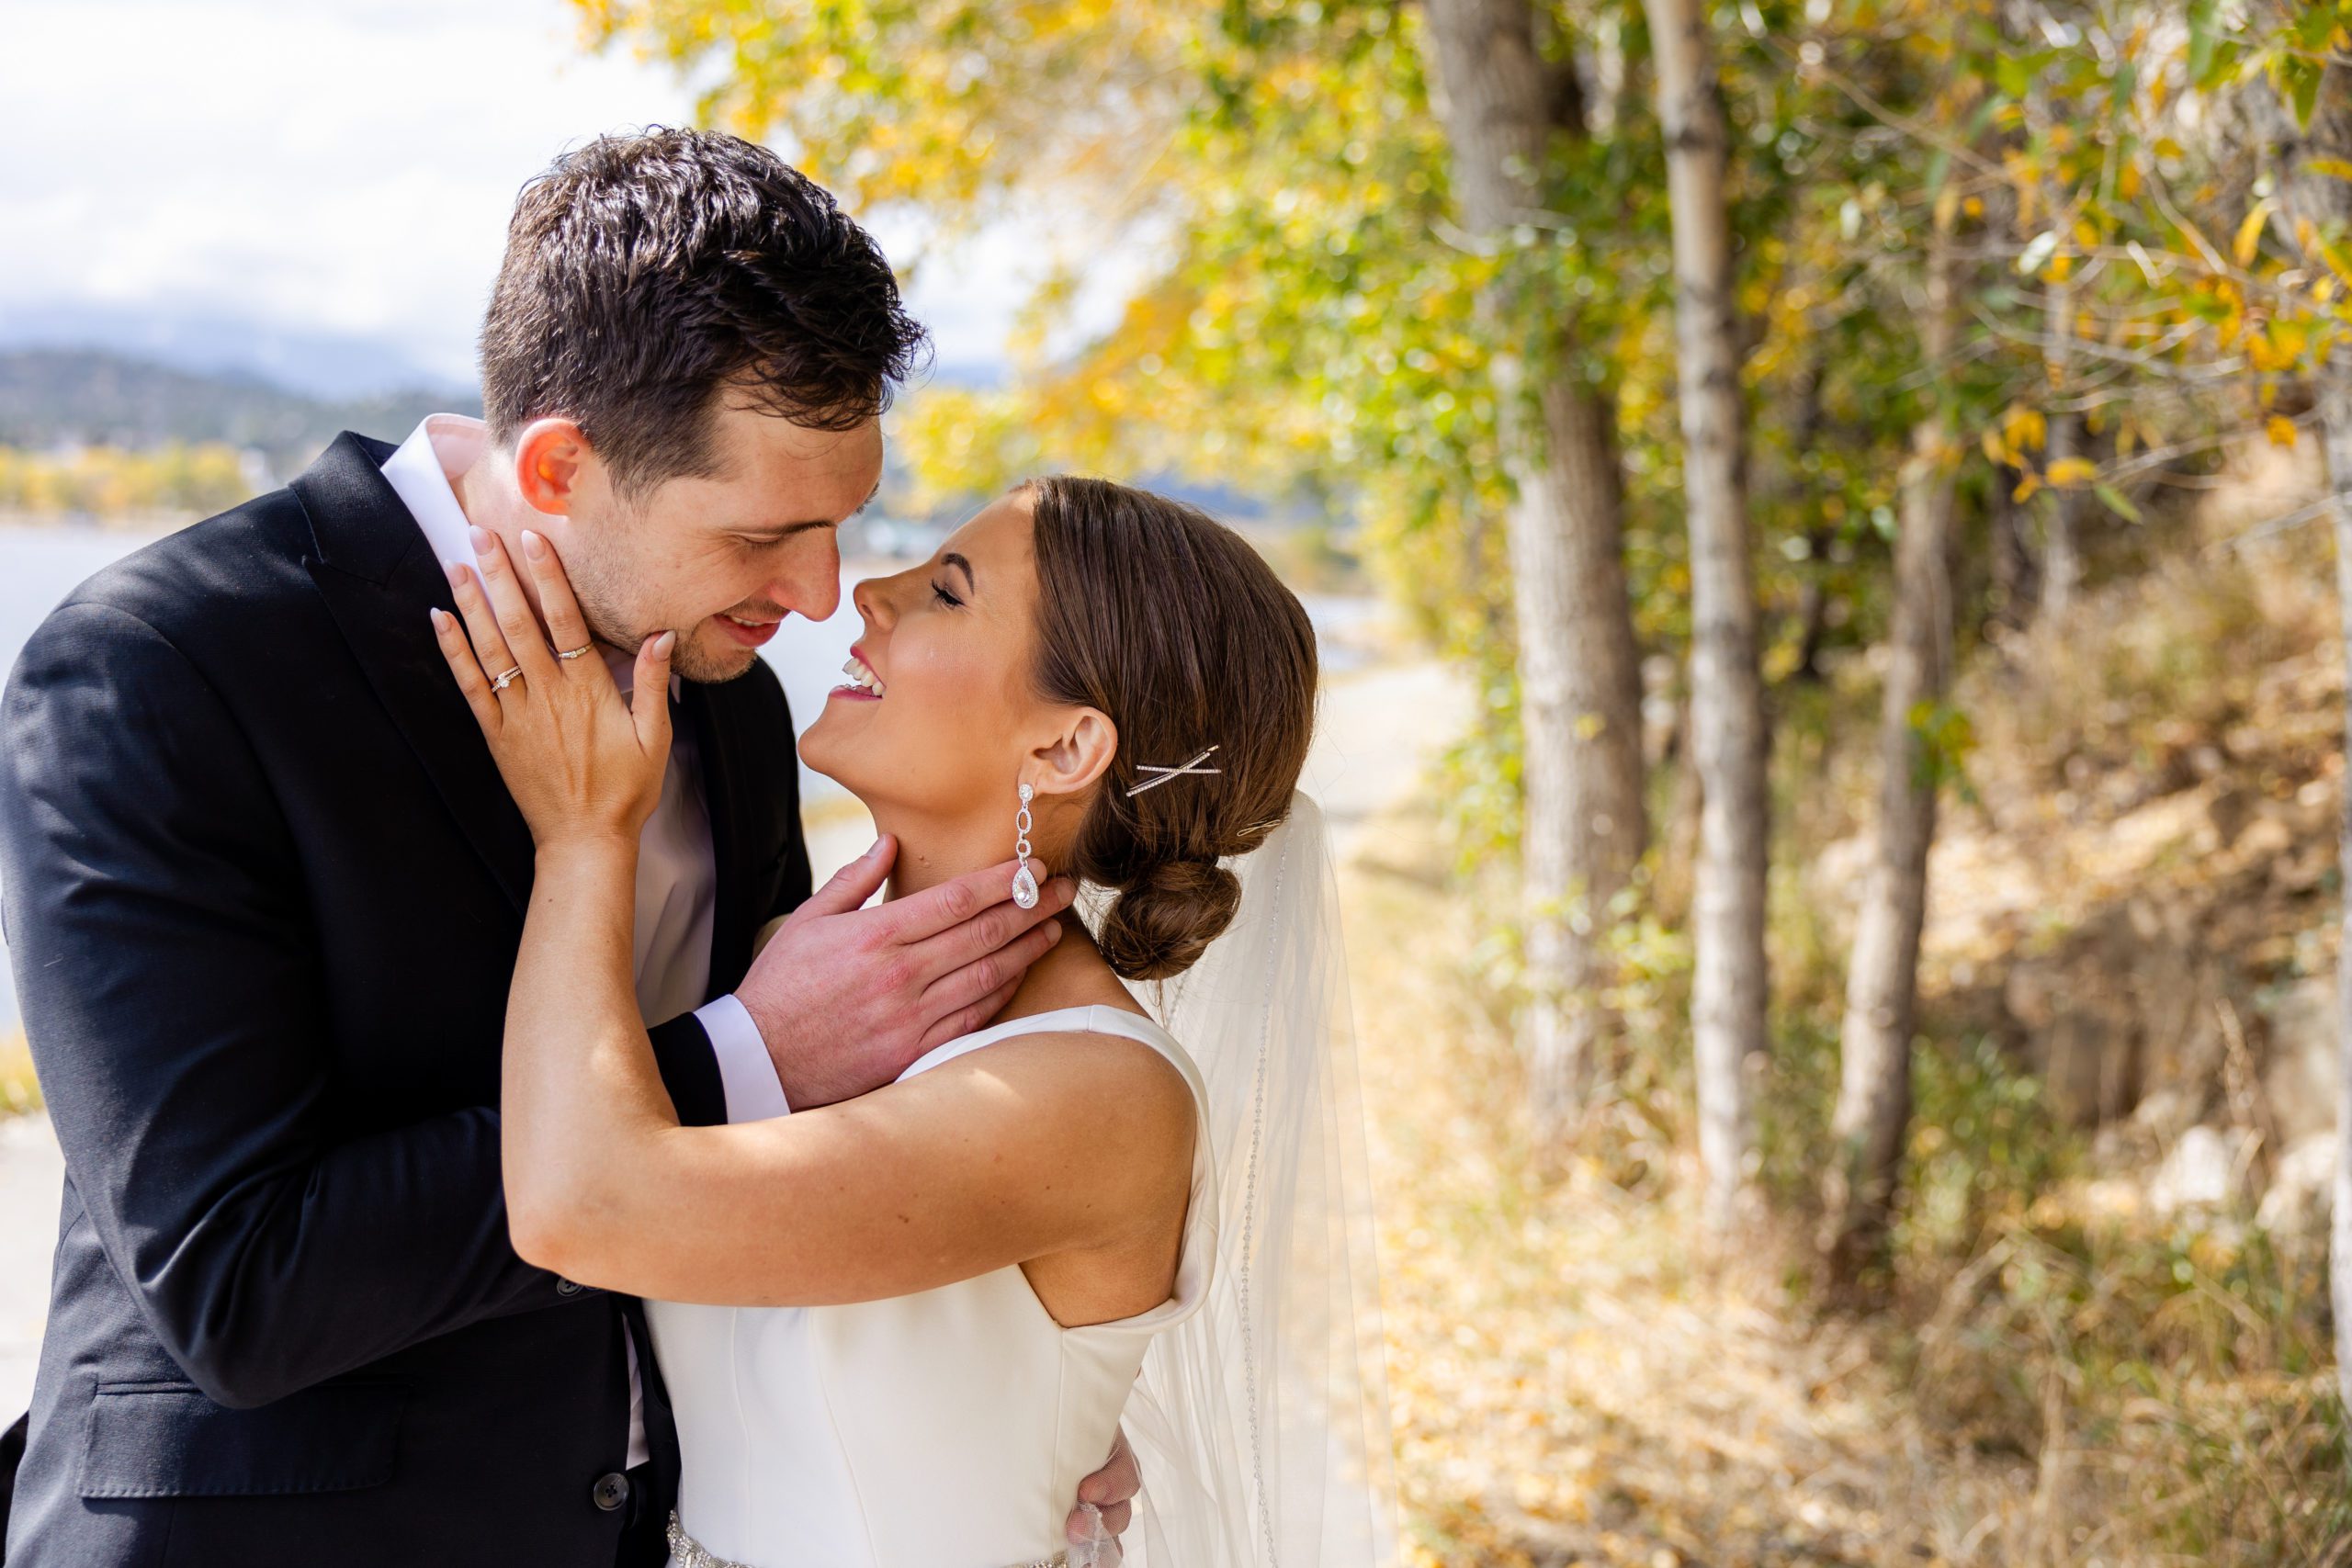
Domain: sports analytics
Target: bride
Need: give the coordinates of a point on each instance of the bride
(953, 1289)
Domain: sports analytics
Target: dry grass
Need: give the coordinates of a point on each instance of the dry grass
(1576, 1382)
(19, 1089)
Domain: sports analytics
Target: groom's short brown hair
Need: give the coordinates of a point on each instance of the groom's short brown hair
(646, 272)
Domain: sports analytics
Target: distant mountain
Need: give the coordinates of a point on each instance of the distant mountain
(54, 396)
(332, 366)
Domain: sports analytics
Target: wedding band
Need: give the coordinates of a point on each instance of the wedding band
(579, 652)
(503, 682)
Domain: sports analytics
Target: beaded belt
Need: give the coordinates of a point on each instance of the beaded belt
(685, 1551)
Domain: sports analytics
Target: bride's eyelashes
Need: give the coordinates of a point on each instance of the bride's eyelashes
(939, 591)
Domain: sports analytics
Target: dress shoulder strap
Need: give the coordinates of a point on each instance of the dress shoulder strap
(1095, 1020)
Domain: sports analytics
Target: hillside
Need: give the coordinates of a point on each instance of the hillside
(62, 397)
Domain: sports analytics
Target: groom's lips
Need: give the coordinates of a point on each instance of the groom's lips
(751, 634)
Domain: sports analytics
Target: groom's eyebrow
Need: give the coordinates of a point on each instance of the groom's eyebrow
(786, 530)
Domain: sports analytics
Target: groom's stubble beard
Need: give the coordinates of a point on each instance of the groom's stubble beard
(602, 585)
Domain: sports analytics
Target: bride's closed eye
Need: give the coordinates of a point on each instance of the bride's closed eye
(939, 591)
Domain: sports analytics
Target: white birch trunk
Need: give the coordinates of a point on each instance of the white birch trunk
(1882, 984)
(2319, 198)
(1579, 675)
(1727, 736)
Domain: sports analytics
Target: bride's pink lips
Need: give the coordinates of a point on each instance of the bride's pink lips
(850, 691)
(749, 635)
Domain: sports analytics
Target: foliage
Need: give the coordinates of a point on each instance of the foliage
(19, 1089)
(108, 481)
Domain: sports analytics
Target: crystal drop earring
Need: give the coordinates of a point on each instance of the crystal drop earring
(1024, 885)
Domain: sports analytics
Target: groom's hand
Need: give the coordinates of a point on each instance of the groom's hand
(846, 998)
(1105, 1508)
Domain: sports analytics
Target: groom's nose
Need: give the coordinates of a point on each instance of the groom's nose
(810, 583)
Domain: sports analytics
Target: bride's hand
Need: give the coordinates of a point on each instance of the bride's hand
(581, 763)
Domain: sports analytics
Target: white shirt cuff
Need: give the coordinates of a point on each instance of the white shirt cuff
(753, 1091)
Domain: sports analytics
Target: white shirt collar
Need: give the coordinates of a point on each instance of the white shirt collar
(425, 472)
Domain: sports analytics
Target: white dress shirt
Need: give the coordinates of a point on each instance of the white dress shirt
(677, 875)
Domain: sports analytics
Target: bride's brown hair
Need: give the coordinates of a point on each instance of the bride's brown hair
(1169, 623)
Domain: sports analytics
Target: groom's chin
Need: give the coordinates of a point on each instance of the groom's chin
(707, 663)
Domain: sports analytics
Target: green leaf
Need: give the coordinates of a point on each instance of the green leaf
(2118, 503)
(2202, 38)
(2301, 81)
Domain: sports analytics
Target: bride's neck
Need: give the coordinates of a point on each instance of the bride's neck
(933, 851)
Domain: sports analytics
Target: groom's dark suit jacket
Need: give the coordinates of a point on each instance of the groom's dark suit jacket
(263, 893)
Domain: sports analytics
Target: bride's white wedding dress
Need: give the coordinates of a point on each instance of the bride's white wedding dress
(947, 1429)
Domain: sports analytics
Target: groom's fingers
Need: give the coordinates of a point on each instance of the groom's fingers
(956, 905)
(852, 886)
(973, 1019)
(964, 999)
(992, 931)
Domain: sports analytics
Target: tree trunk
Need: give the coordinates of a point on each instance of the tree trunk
(2336, 428)
(1579, 674)
(2317, 198)
(1727, 996)
(1882, 985)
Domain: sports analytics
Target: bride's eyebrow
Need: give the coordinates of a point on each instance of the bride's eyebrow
(971, 584)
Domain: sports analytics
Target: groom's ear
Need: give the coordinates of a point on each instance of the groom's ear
(551, 457)
(1078, 755)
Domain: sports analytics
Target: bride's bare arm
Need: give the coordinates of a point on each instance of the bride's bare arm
(939, 1179)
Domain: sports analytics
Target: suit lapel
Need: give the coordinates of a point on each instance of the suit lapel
(708, 709)
(379, 576)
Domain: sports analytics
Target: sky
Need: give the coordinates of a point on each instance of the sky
(336, 166)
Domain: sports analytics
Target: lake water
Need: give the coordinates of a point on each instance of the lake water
(39, 566)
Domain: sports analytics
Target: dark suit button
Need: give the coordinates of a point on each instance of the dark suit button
(610, 1491)
(566, 1288)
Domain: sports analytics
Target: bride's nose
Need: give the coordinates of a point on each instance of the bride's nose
(872, 602)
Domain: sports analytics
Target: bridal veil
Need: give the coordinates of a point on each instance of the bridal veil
(1261, 1422)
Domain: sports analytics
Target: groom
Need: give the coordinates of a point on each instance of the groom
(263, 889)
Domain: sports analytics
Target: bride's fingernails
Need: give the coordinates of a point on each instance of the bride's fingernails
(480, 536)
(664, 644)
(534, 546)
(435, 614)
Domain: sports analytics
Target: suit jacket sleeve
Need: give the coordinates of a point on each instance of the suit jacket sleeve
(690, 1071)
(159, 934)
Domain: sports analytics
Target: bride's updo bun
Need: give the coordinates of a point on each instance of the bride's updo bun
(1172, 625)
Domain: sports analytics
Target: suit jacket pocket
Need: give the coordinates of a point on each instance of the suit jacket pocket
(170, 1440)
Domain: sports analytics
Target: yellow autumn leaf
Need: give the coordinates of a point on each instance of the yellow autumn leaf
(2023, 428)
(2068, 473)
(2281, 429)
(1995, 450)
(2026, 487)
(2249, 235)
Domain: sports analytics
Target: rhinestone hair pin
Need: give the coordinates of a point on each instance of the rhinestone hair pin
(1167, 773)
